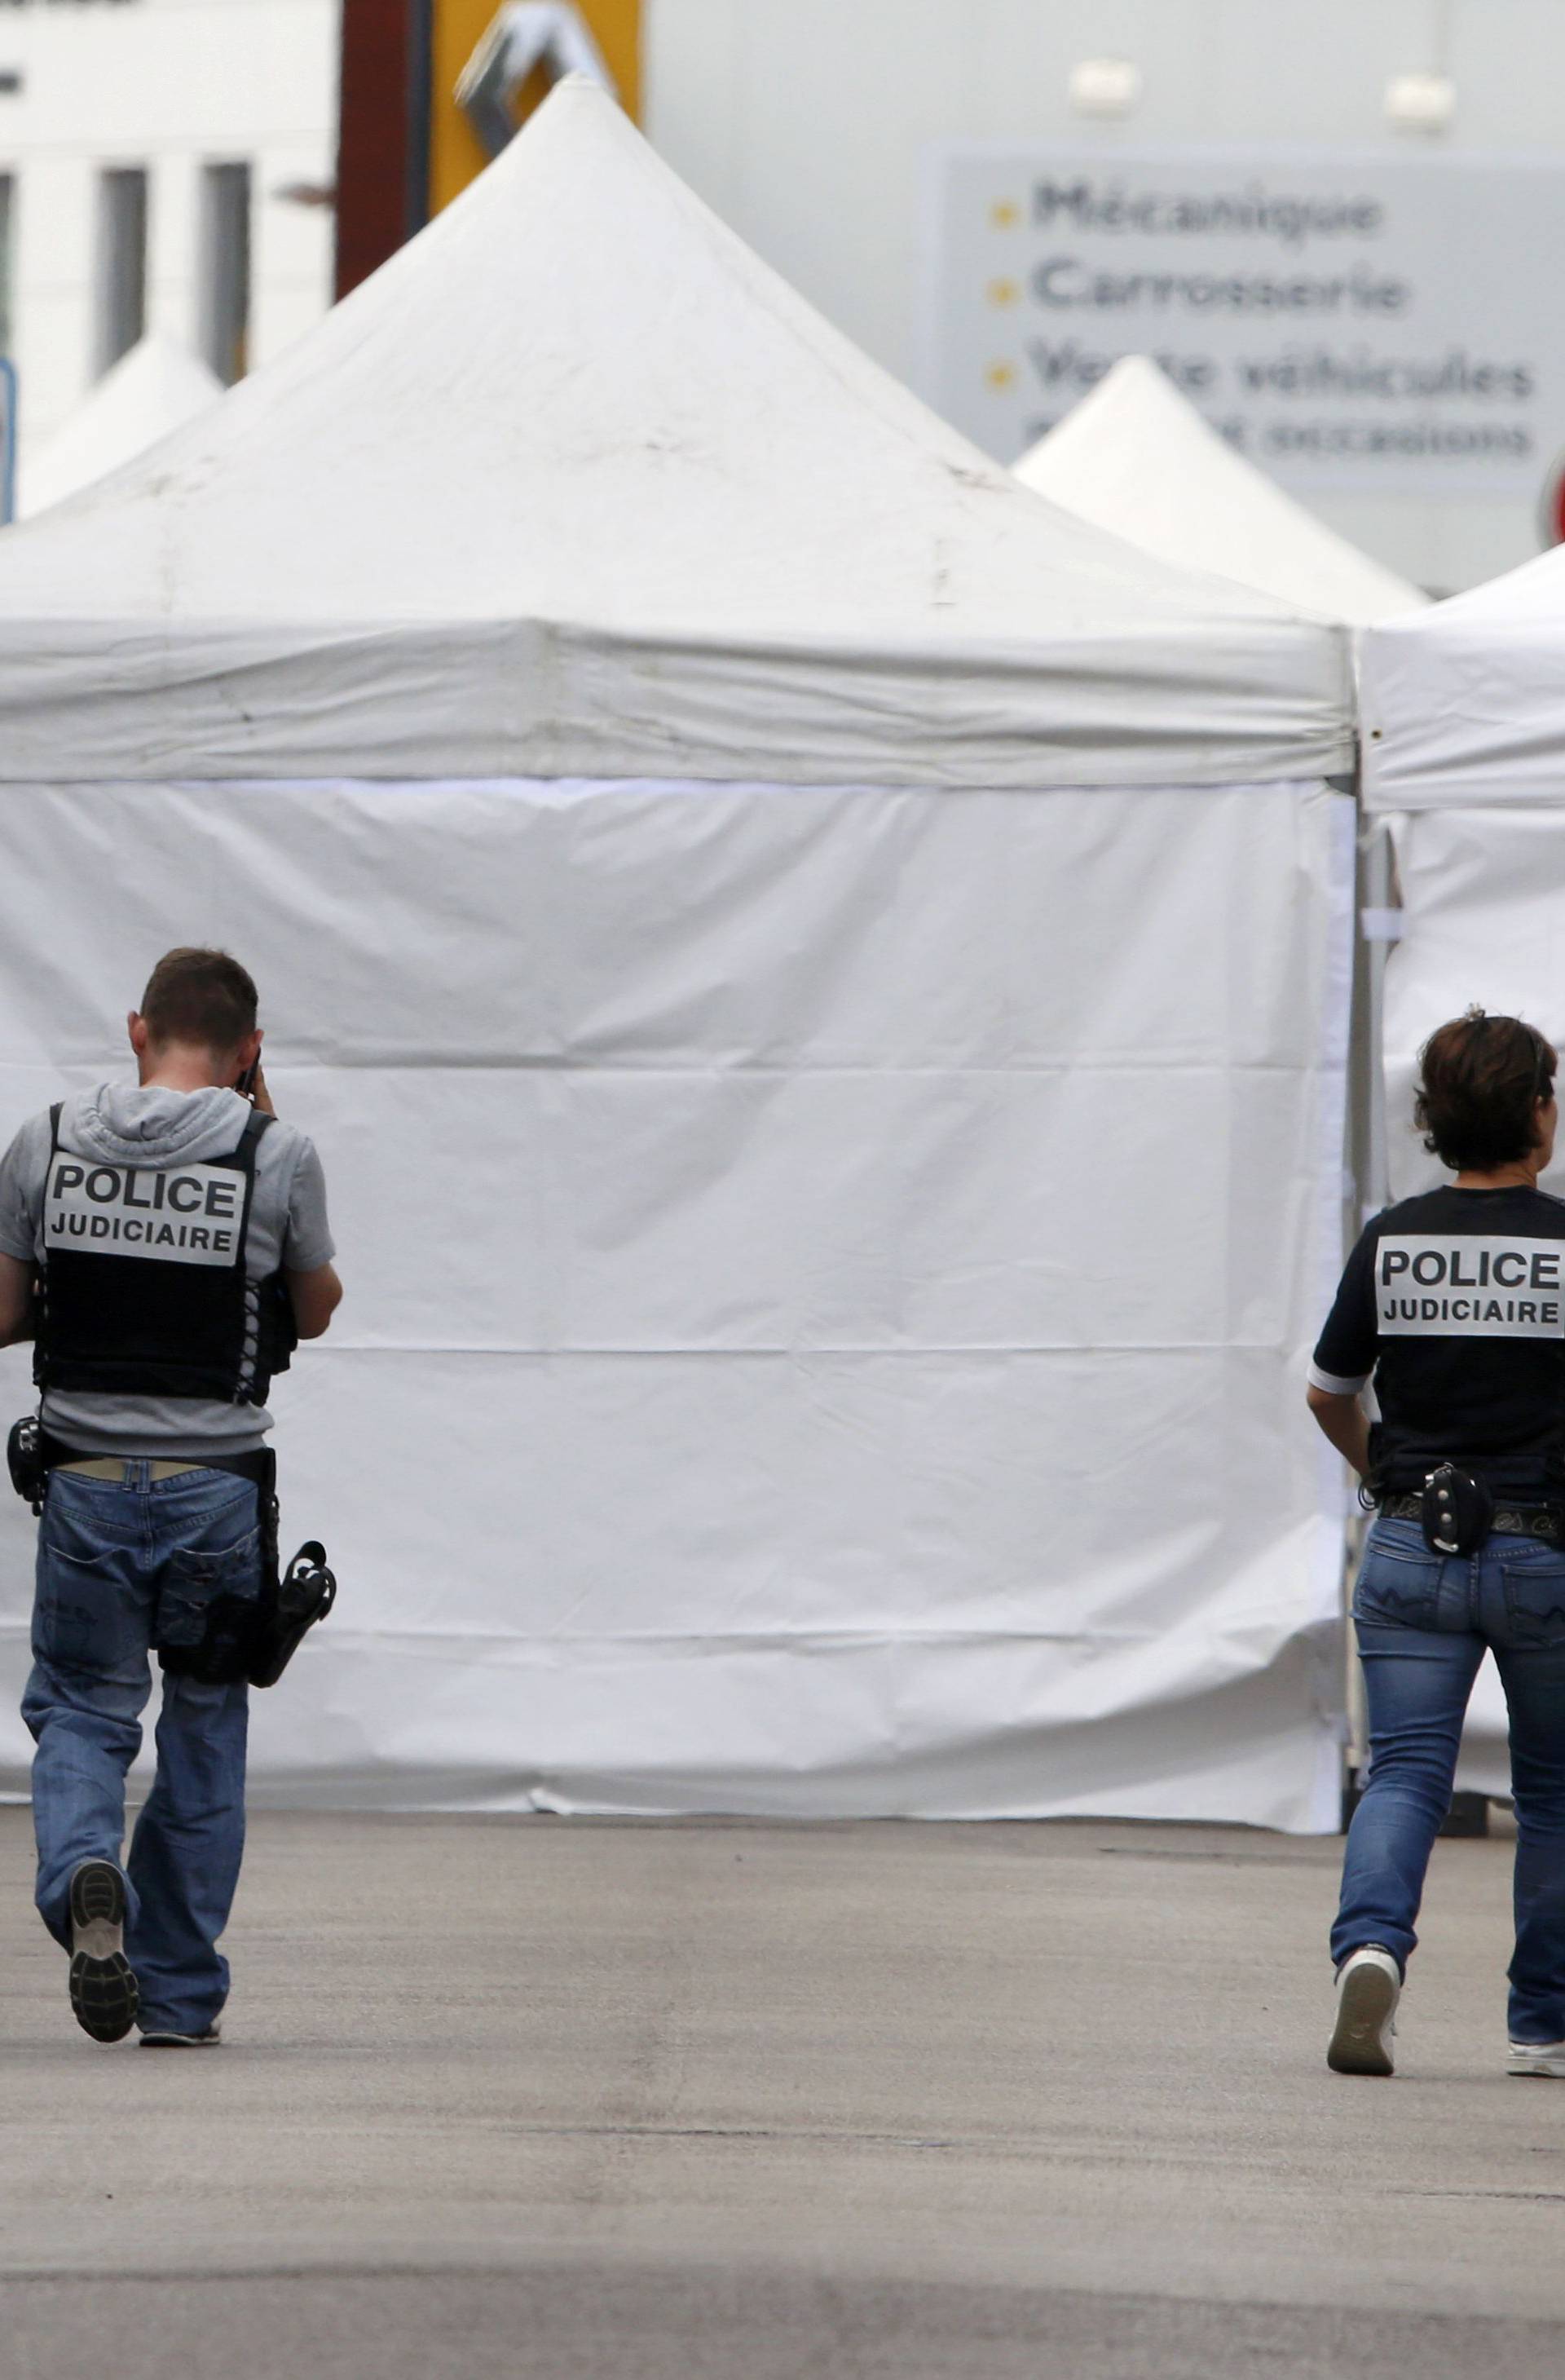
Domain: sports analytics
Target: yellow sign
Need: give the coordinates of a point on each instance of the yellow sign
(456, 155)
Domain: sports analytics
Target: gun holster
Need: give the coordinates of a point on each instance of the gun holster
(303, 1596)
(24, 1452)
(1457, 1510)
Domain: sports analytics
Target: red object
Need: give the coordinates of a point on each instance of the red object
(382, 142)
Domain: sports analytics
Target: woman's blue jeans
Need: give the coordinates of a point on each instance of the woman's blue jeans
(1423, 1626)
(122, 1566)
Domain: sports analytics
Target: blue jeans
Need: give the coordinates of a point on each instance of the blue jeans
(1423, 1624)
(123, 1567)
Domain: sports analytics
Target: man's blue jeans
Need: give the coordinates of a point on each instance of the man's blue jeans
(123, 1567)
(1423, 1624)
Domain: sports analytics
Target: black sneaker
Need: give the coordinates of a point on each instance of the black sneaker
(103, 1989)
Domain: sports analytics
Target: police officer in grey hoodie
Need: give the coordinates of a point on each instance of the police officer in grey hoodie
(165, 1244)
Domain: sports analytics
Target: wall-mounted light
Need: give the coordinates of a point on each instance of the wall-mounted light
(1421, 102)
(1105, 87)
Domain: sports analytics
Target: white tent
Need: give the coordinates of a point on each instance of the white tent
(1466, 705)
(821, 984)
(1464, 751)
(157, 387)
(1136, 458)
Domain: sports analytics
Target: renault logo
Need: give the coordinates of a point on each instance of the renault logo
(526, 36)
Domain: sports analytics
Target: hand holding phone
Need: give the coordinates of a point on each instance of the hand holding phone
(251, 1086)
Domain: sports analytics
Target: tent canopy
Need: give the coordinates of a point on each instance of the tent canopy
(502, 513)
(1135, 457)
(1466, 703)
(156, 388)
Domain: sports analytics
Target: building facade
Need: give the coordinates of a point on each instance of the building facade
(164, 164)
(817, 131)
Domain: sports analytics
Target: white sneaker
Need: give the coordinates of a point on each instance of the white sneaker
(1369, 1985)
(1537, 2058)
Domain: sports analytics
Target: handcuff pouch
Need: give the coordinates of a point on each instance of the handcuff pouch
(1457, 1510)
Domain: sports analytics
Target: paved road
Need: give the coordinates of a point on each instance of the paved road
(569, 2099)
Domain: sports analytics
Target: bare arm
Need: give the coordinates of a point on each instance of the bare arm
(16, 1301)
(315, 1297)
(1345, 1423)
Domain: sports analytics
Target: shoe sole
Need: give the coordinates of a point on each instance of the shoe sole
(181, 2041)
(1365, 2002)
(1539, 2071)
(103, 1994)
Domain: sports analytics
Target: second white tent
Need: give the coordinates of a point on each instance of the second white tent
(1137, 457)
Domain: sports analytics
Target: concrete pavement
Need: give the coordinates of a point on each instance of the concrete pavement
(563, 2098)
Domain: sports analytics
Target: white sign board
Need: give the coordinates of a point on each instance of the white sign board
(1348, 321)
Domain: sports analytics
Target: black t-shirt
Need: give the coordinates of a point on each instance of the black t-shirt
(1456, 1303)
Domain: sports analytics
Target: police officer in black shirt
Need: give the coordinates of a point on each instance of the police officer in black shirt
(1454, 1301)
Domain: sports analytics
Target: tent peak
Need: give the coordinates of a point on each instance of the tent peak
(1137, 457)
(153, 389)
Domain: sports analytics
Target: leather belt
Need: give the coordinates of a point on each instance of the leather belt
(114, 1466)
(1510, 1521)
(259, 1467)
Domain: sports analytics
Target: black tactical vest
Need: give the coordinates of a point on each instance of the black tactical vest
(144, 1289)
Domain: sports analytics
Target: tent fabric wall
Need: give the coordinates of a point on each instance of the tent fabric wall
(1482, 892)
(829, 1275)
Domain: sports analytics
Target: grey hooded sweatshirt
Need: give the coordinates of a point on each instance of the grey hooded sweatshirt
(121, 1124)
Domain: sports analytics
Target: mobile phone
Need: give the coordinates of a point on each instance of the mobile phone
(246, 1084)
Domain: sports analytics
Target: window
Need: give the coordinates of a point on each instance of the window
(122, 261)
(225, 270)
(7, 210)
